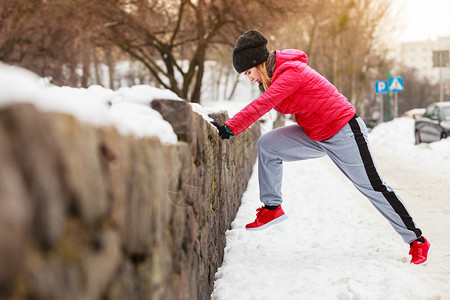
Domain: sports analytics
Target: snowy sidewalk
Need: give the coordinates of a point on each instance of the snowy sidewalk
(334, 245)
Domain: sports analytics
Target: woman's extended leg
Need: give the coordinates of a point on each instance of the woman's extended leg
(349, 151)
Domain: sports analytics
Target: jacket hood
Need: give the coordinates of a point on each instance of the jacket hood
(290, 55)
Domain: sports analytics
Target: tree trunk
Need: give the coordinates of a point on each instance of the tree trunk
(86, 67)
(236, 81)
(98, 79)
(111, 66)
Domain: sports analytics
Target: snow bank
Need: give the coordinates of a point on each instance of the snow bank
(397, 139)
(127, 108)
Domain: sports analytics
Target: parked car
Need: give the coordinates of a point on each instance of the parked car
(434, 124)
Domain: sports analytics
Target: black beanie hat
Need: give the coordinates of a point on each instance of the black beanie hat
(250, 51)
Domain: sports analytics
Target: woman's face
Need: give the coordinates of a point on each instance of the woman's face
(253, 75)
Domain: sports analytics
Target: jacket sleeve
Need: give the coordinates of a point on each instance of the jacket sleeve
(285, 84)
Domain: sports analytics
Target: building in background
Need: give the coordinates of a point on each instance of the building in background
(419, 55)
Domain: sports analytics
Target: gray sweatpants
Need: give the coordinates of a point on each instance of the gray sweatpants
(349, 151)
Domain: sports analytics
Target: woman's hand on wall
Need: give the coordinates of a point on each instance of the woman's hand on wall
(224, 131)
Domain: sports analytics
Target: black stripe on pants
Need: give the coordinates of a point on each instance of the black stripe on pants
(375, 179)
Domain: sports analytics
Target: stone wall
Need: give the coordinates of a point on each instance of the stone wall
(87, 213)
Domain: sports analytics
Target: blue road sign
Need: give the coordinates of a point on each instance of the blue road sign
(396, 84)
(381, 87)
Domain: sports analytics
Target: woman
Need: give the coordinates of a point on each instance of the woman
(326, 125)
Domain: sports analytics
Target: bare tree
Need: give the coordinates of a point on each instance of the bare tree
(343, 40)
(15, 28)
(171, 38)
(418, 93)
(54, 38)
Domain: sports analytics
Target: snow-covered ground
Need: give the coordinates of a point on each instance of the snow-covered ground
(335, 245)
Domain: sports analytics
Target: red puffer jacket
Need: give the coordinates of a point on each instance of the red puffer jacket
(299, 90)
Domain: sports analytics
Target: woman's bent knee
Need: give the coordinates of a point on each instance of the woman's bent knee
(265, 139)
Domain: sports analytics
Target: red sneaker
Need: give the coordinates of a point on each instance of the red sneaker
(266, 217)
(419, 252)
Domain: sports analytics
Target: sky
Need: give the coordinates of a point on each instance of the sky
(423, 19)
